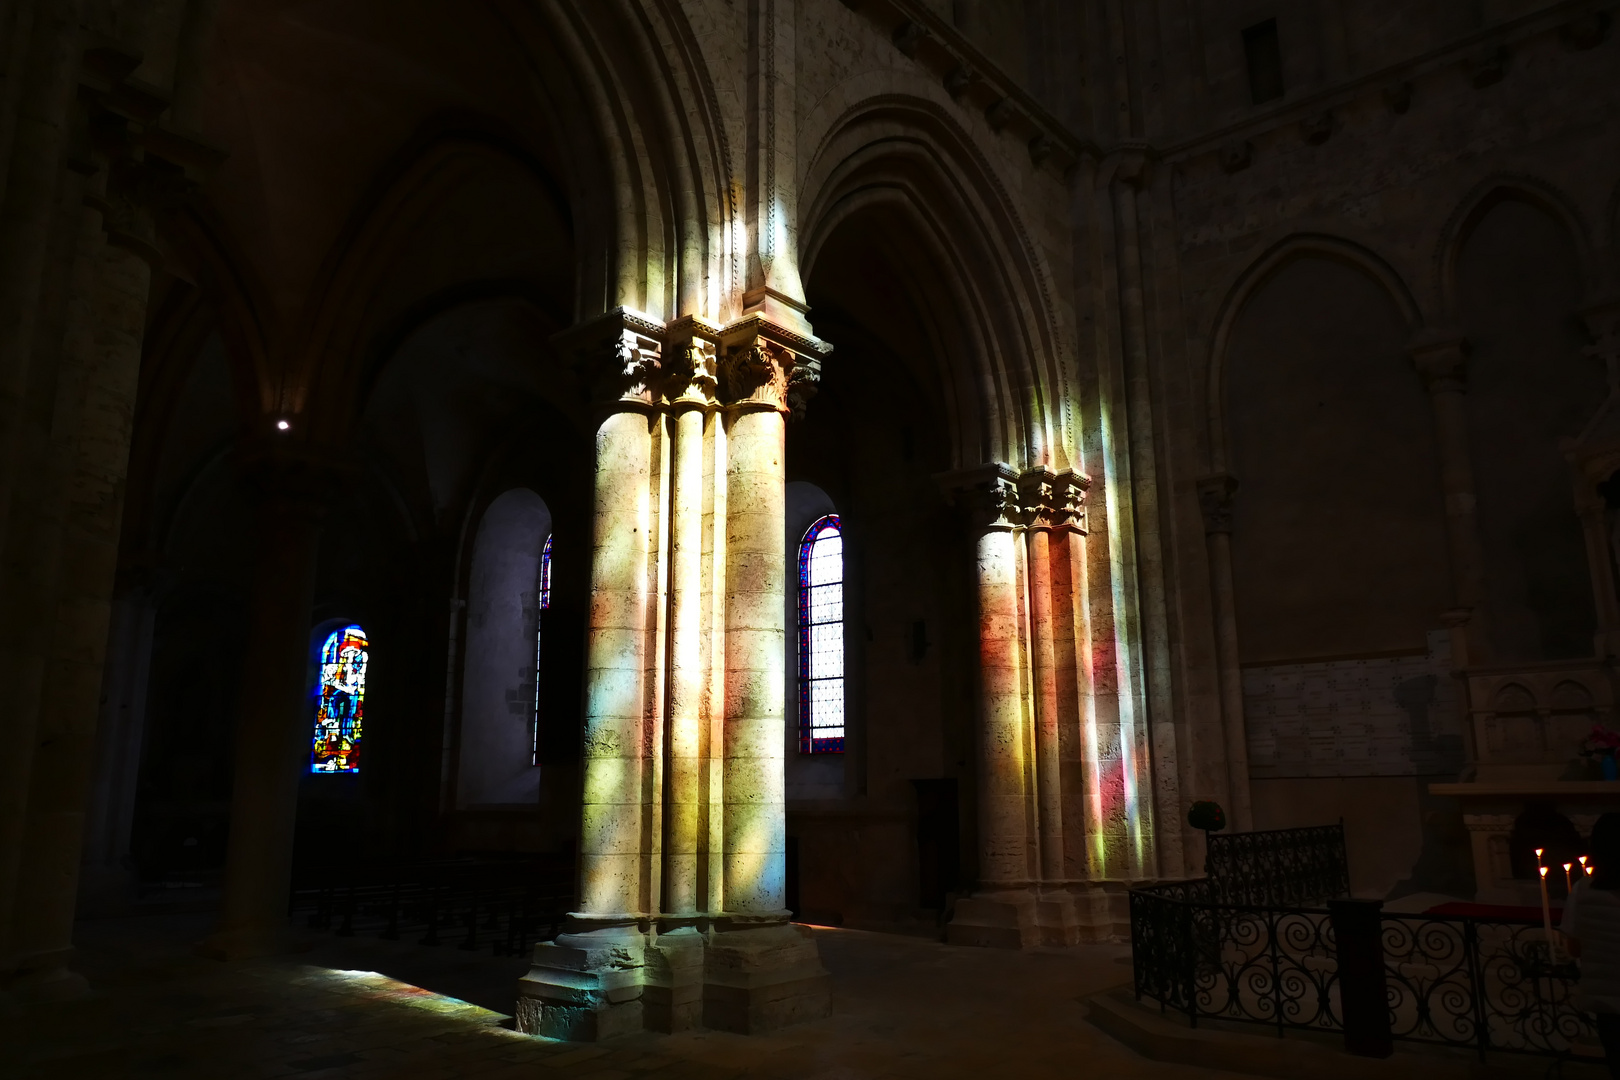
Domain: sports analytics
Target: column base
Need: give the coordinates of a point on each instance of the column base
(1059, 918)
(1105, 911)
(746, 977)
(44, 978)
(1065, 914)
(585, 987)
(763, 977)
(998, 920)
(672, 997)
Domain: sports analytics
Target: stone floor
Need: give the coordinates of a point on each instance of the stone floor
(902, 1007)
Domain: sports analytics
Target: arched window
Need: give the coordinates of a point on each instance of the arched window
(821, 638)
(340, 699)
(544, 589)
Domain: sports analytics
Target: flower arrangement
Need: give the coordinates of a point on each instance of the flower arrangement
(1600, 741)
(1207, 815)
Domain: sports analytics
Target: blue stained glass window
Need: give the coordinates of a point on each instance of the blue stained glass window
(821, 638)
(340, 698)
(544, 590)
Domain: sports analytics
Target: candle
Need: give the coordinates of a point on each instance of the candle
(1568, 885)
(1546, 908)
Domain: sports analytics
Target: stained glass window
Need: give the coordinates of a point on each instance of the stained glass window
(544, 590)
(821, 638)
(340, 698)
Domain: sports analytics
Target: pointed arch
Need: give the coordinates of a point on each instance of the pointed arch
(1480, 201)
(1256, 276)
(1006, 377)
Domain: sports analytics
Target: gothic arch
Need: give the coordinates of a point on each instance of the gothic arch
(627, 144)
(632, 88)
(1484, 197)
(1005, 376)
(1255, 277)
(335, 351)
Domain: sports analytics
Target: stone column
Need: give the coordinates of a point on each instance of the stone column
(48, 64)
(1001, 910)
(1215, 500)
(1443, 363)
(674, 981)
(79, 520)
(587, 985)
(48, 286)
(107, 884)
(293, 485)
(1035, 492)
(761, 971)
(681, 914)
(1047, 505)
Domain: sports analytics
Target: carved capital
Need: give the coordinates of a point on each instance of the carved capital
(1037, 498)
(1048, 500)
(1442, 363)
(1603, 323)
(1215, 501)
(1070, 489)
(690, 373)
(989, 494)
(620, 357)
(763, 365)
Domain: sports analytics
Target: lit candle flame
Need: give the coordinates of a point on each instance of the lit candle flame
(1539, 850)
(1543, 870)
(1583, 860)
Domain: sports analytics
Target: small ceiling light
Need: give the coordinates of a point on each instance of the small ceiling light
(282, 425)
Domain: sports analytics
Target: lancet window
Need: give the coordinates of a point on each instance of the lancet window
(340, 698)
(821, 638)
(544, 602)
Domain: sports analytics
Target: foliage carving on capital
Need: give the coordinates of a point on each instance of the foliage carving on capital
(1037, 499)
(988, 493)
(764, 372)
(1442, 363)
(1070, 488)
(691, 372)
(1049, 500)
(758, 372)
(627, 368)
(803, 383)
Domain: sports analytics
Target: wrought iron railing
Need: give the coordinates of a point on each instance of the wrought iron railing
(1483, 984)
(1289, 867)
